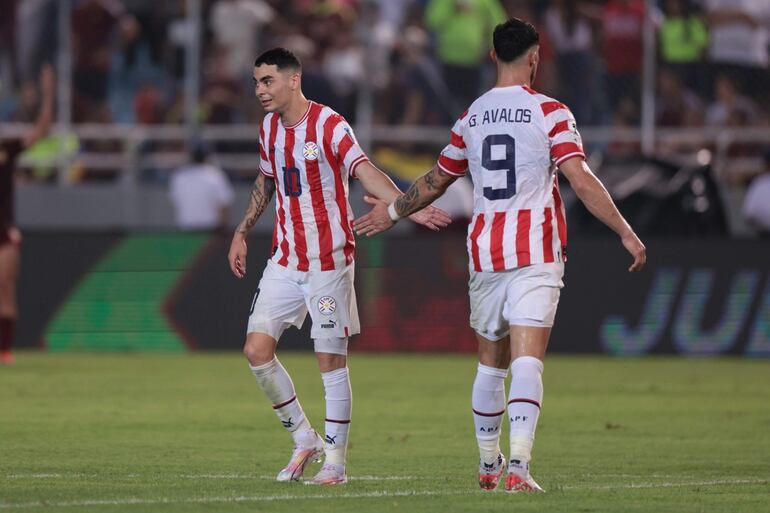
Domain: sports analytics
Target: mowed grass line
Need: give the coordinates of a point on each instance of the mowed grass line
(193, 433)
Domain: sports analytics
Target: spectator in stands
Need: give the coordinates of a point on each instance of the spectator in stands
(94, 23)
(739, 43)
(152, 18)
(683, 41)
(425, 99)
(676, 104)
(343, 65)
(237, 26)
(729, 107)
(622, 24)
(462, 29)
(572, 39)
(756, 205)
(221, 90)
(201, 194)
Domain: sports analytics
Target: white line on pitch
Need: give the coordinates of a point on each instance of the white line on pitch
(208, 500)
(362, 495)
(202, 476)
(626, 486)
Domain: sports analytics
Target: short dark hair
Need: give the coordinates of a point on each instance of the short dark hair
(514, 37)
(281, 57)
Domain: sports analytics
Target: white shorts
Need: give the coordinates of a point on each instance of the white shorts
(525, 296)
(285, 296)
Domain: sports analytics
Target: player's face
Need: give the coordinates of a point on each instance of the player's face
(273, 87)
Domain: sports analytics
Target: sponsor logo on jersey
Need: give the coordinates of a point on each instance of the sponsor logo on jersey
(331, 323)
(310, 151)
(327, 305)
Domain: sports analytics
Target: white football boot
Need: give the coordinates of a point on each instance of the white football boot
(330, 474)
(302, 455)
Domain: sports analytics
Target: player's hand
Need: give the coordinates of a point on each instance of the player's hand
(237, 255)
(14, 235)
(634, 246)
(431, 217)
(376, 221)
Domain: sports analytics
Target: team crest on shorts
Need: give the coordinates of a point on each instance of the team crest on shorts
(327, 305)
(310, 151)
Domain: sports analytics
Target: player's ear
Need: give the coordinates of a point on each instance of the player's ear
(534, 56)
(493, 55)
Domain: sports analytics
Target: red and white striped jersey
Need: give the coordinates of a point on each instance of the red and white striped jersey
(512, 139)
(310, 162)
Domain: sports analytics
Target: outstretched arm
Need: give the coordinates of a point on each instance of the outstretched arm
(598, 201)
(45, 116)
(422, 192)
(379, 185)
(261, 193)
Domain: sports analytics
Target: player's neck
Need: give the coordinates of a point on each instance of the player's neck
(295, 110)
(508, 76)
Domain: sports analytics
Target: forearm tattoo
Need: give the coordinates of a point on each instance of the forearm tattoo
(422, 192)
(261, 194)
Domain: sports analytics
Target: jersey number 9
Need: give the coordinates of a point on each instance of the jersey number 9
(507, 164)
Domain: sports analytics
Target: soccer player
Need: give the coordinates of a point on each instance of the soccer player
(512, 139)
(10, 236)
(307, 153)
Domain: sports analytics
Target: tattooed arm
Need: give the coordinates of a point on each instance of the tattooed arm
(423, 192)
(261, 194)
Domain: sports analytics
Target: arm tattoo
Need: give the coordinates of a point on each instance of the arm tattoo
(261, 194)
(423, 191)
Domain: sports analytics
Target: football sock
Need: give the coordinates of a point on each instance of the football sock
(524, 399)
(7, 329)
(275, 382)
(338, 409)
(488, 403)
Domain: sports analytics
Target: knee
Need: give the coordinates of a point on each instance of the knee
(258, 353)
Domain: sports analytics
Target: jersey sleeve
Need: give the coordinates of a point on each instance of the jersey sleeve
(345, 147)
(453, 159)
(563, 135)
(264, 162)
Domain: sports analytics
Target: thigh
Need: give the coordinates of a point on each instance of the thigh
(277, 304)
(487, 297)
(331, 301)
(532, 296)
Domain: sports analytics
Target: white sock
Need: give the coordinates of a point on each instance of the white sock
(524, 400)
(488, 403)
(275, 382)
(339, 402)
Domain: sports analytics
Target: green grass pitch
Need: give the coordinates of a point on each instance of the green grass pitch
(189, 433)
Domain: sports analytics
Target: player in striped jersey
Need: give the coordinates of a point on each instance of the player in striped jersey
(307, 154)
(513, 140)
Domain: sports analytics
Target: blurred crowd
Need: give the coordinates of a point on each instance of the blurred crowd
(424, 60)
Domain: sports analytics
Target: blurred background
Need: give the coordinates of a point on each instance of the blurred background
(672, 99)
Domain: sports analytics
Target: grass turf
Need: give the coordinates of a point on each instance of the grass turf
(168, 433)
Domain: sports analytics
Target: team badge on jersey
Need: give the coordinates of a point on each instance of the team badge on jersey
(310, 151)
(327, 305)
